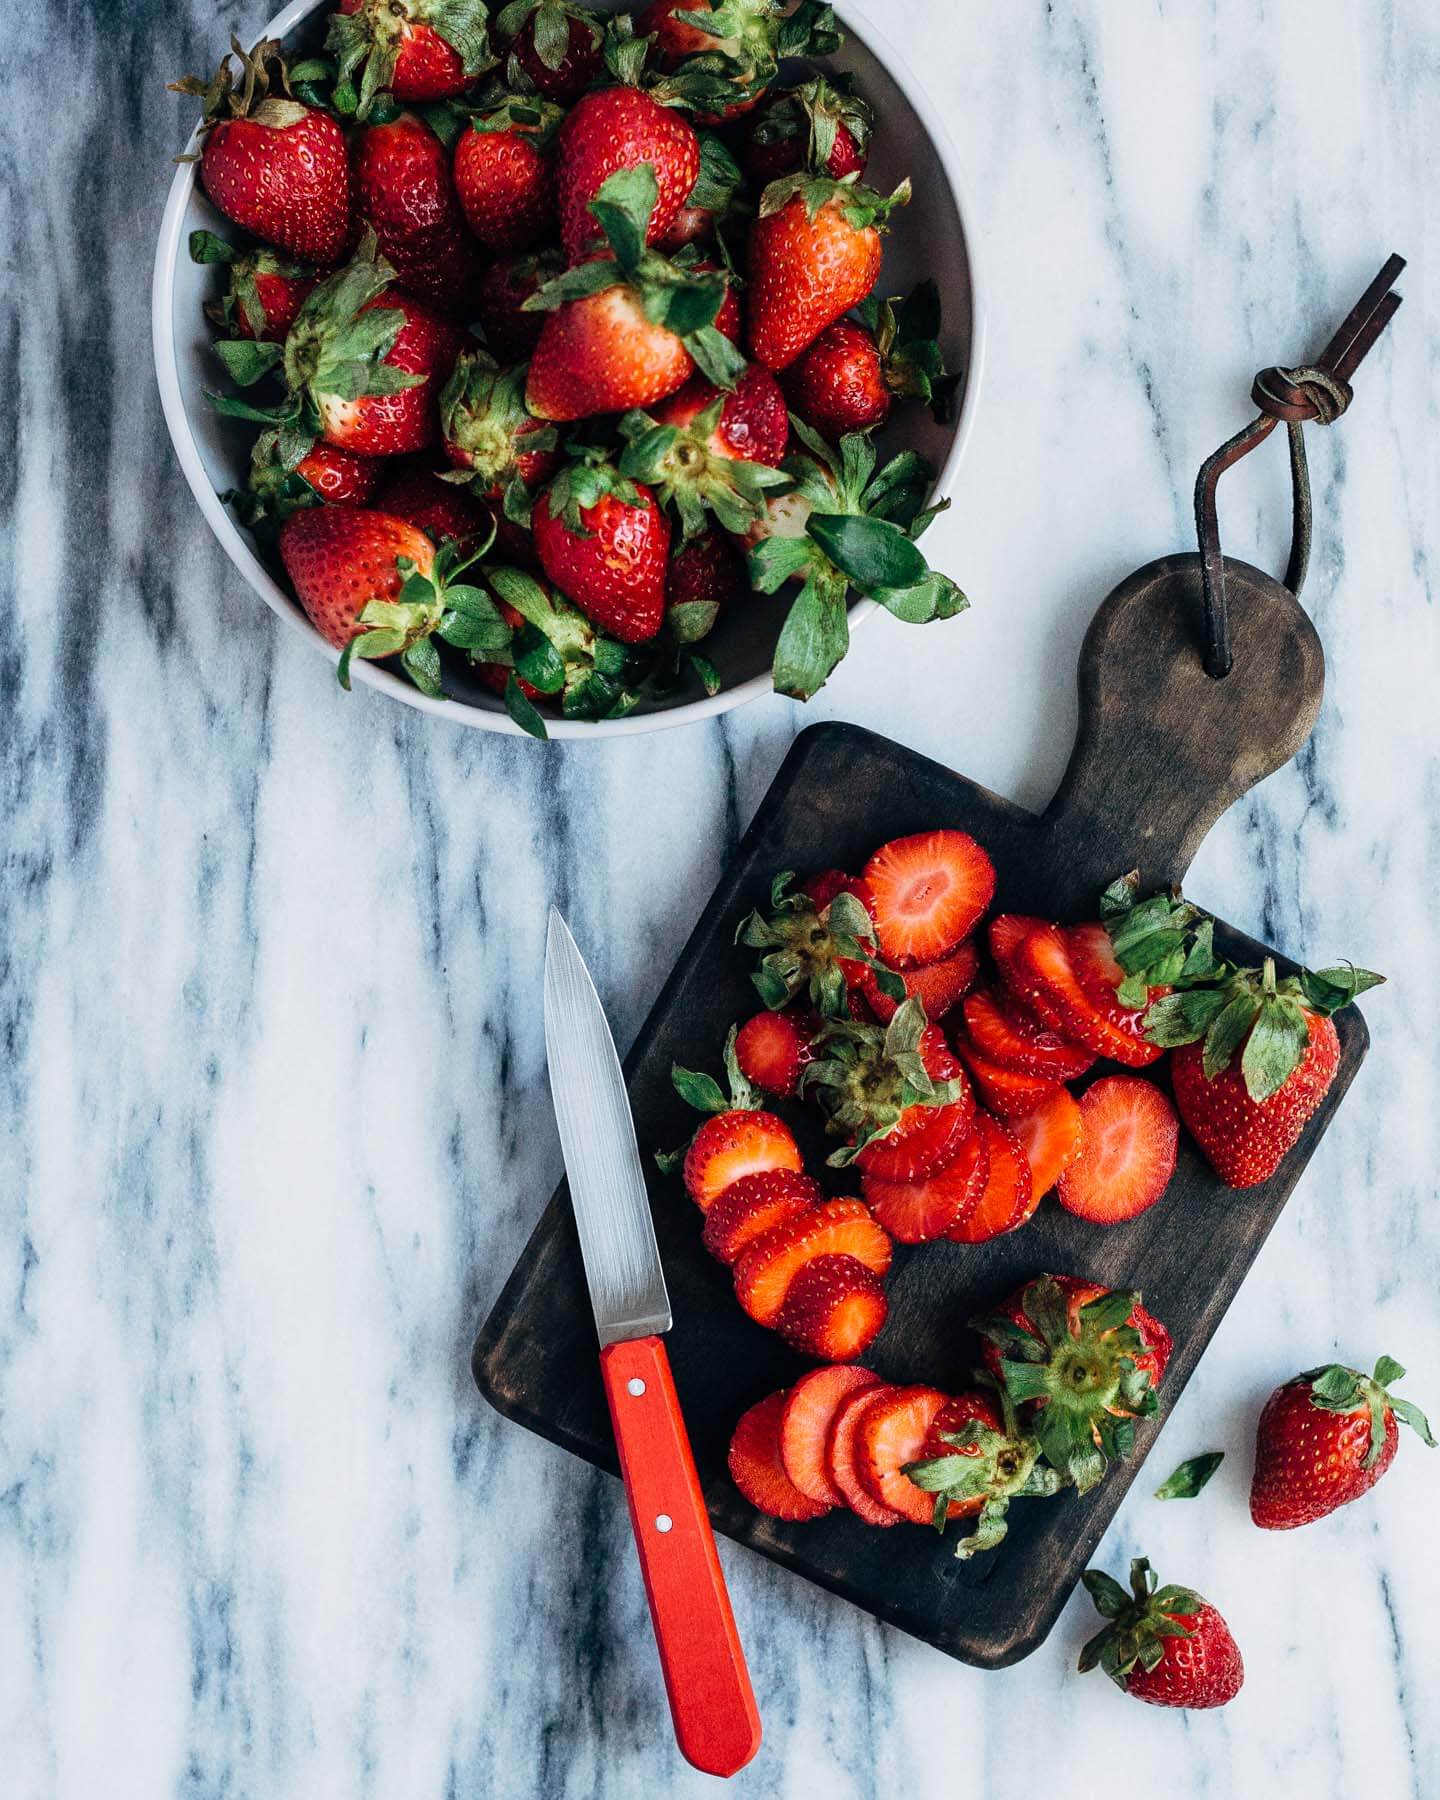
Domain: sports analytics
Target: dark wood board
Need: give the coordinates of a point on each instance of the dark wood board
(1156, 735)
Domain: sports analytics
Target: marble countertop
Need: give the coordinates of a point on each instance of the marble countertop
(273, 1079)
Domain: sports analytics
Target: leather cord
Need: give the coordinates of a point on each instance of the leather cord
(1319, 393)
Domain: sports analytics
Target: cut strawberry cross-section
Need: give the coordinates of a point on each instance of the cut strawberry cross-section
(811, 1407)
(747, 1208)
(839, 1228)
(892, 1432)
(738, 1140)
(938, 986)
(930, 892)
(1130, 1139)
(1005, 1033)
(835, 1308)
(756, 1467)
(1051, 1138)
(1008, 1093)
(1051, 986)
(843, 1457)
(1008, 1198)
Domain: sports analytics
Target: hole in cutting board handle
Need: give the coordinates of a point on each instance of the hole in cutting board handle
(1163, 749)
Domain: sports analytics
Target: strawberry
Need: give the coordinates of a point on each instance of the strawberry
(627, 327)
(1051, 1137)
(1247, 1110)
(278, 169)
(737, 1140)
(338, 477)
(749, 1207)
(843, 1456)
(852, 374)
(929, 893)
(817, 126)
(727, 52)
(612, 131)
(488, 430)
(814, 253)
(1004, 934)
(1083, 1362)
(898, 1094)
(605, 543)
(892, 1432)
(917, 1212)
(407, 195)
(286, 476)
(821, 889)
(264, 292)
(817, 941)
(834, 1309)
(773, 1050)
(756, 1467)
(705, 451)
(415, 49)
(375, 586)
(1169, 1648)
(441, 510)
(973, 1462)
(510, 332)
(811, 1406)
(705, 575)
(1003, 1033)
(1007, 1093)
(938, 986)
(1048, 984)
(1325, 1439)
(1130, 1136)
(503, 175)
(555, 46)
(838, 1228)
(1008, 1197)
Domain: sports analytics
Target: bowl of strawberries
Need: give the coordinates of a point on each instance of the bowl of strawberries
(570, 369)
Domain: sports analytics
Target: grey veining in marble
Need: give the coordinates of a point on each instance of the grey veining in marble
(271, 1062)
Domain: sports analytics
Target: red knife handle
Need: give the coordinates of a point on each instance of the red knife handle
(717, 1724)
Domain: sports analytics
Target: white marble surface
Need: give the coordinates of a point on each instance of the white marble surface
(275, 1114)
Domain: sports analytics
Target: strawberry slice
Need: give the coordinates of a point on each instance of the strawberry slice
(1005, 934)
(930, 891)
(916, 1212)
(892, 1431)
(1128, 1155)
(1054, 990)
(750, 1206)
(937, 986)
(1051, 1138)
(926, 1138)
(756, 1467)
(1009, 1198)
(1006, 1092)
(1014, 1038)
(772, 1050)
(733, 1144)
(835, 1309)
(839, 1228)
(1093, 958)
(811, 1407)
(842, 1453)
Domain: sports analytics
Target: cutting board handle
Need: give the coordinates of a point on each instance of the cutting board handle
(1161, 745)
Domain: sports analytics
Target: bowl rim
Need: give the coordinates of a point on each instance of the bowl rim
(164, 346)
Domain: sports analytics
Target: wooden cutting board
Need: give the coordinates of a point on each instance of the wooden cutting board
(1162, 750)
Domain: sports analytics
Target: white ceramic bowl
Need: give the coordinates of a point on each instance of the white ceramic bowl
(928, 238)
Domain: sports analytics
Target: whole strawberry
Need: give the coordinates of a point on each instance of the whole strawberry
(605, 543)
(706, 451)
(286, 476)
(489, 430)
(503, 174)
(608, 132)
(705, 575)
(415, 493)
(1325, 1439)
(1169, 1648)
(851, 376)
(415, 49)
(556, 46)
(280, 170)
(1253, 1057)
(817, 126)
(264, 293)
(407, 194)
(509, 331)
(815, 252)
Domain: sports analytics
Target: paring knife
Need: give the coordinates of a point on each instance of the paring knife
(717, 1724)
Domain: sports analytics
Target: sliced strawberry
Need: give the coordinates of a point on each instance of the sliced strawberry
(1093, 958)
(839, 1228)
(733, 1144)
(835, 1308)
(1005, 934)
(756, 1468)
(750, 1206)
(1051, 986)
(1009, 1197)
(811, 1407)
(772, 1050)
(1004, 1032)
(916, 1212)
(927, 1138)
(892, 1432)
(842, 1455)
(930, 892)
(1007, 1093)
(1128, 1154)
(937, 986)
(1051, 1137)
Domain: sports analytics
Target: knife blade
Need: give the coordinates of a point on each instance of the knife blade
(712, 1704)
